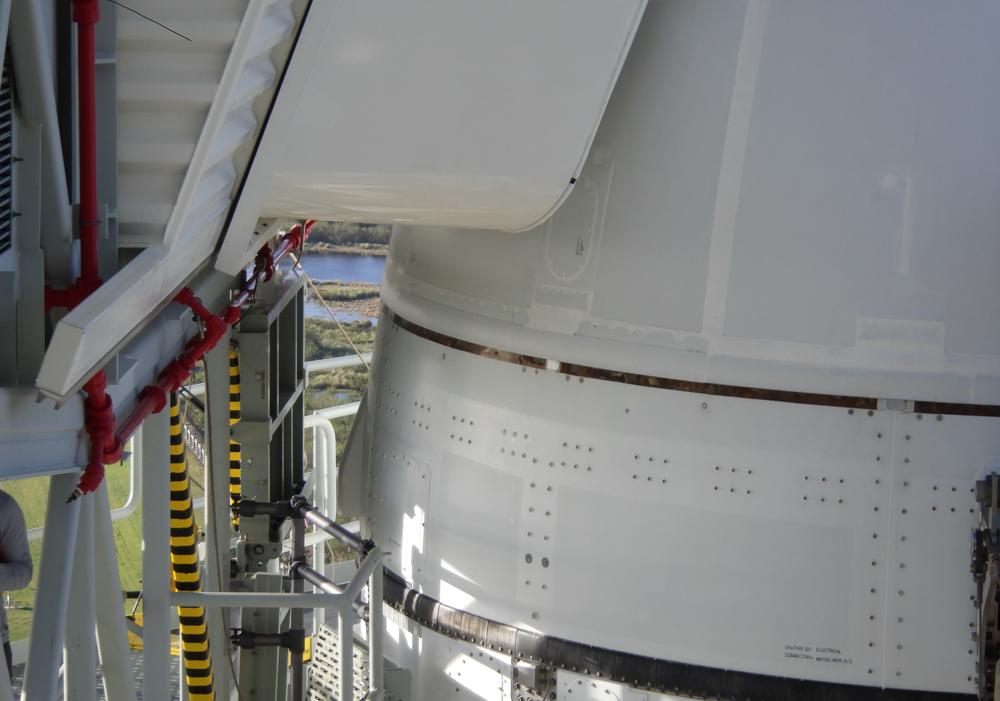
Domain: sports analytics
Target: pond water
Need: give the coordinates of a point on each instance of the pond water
(346, 268)
(335, 266)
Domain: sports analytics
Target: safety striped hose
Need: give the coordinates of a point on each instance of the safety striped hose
(234, 447)
(184, 568)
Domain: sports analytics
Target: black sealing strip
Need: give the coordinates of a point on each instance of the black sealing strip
(708, 388)
(626, 668)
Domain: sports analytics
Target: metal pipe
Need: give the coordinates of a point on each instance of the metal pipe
(48, 627)
(341, 361)
(375, 629)
(37, 101)
(112, 635)
(327, 473)
(266, 600)
(297, 619)
(317, 580)
(340, 411)
(80, 647)
(154, 445)
(131, 501)
(323, 522)
(345, 634)
(86, 14)
(327, 585)
(152, 398)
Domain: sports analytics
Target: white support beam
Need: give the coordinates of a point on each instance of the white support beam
(216, 523)
(112, 636)
(80, 647)
(48, 627)
(154, 443)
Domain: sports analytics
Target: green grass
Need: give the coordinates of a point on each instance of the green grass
(346, 291)
(322, 340)
(32, 495)
(345, 234)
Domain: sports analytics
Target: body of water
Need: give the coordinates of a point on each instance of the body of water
(335, 266)
(345, 268)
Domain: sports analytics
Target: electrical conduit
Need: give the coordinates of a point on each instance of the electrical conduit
(235, 456)
(185, 570)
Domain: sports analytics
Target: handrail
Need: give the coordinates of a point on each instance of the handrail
(131, 501)
(339, 411)
(334, 363)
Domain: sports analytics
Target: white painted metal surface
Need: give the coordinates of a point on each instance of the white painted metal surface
(154, 444)
(442, 112)
(182, 170)
(763, 209)
(734, 533)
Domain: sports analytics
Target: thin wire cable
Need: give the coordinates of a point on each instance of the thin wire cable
(329, 310)
(146, 17)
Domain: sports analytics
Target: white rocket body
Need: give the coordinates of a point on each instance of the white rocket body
(727, 405)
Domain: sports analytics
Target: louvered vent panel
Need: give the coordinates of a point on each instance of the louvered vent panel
(6, 158)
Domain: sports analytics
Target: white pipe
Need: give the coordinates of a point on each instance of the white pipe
(339, 411)
(375, 630)
(325, 475)
(48, 626)
(37, 101)
(80, 647)
(125, 510)
(341, 361)
(345, 634)
(154, 445)
(215, 599)
(321, 425)
(112, 635)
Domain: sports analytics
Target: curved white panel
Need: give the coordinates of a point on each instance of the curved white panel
(445, 111)
(762, 209)
(809, 542)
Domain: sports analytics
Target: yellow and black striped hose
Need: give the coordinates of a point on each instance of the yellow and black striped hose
(184, 568)
(234, 447)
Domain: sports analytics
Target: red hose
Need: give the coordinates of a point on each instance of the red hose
(86, 14)
(99, 414)
(153, 398)
(106, 444)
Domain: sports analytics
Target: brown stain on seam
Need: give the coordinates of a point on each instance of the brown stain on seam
(706, 388)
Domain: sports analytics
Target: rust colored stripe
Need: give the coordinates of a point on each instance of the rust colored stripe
(708, 388)
(959, 409)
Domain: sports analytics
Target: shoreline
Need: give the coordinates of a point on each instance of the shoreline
(371, 250)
